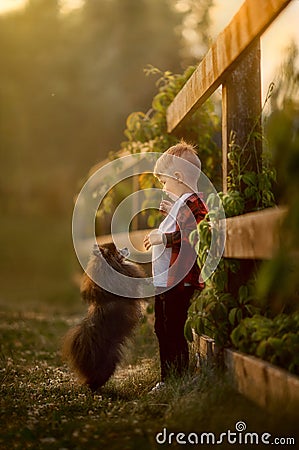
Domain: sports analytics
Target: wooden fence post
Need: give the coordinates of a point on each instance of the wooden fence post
(241, 114)
(241, 109)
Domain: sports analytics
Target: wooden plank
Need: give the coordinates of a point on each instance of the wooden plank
(251, 236)
(269, 386)
(205, 350)
(254, 235)
(253, 18)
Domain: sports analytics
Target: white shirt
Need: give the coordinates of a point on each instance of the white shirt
(160, 254)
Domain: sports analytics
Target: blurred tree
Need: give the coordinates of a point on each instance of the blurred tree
(194, 28)
(67, 84)
(127, 35)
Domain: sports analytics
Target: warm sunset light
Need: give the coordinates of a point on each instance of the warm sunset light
(10, 5)
(273, 43)
(149, 232)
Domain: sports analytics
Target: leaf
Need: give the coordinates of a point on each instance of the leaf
(232, 316)
(249, 178)
(133, 119)
(261, 349)
(199, 325)
(239, 315)
(250, 309)
(243, 294)
(160, 102)
(237, 335)
(188, 330)
(250, 191)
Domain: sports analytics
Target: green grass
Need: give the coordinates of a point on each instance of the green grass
(42, 405)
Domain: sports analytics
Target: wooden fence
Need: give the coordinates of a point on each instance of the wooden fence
(234, 62)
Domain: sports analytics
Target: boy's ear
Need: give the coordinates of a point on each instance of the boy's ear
(179, 176)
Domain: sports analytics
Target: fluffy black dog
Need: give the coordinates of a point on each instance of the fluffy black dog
(94, 347)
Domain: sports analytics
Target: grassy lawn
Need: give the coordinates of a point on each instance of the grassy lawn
(43, 407)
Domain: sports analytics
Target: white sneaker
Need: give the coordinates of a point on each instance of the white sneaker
(160, 385)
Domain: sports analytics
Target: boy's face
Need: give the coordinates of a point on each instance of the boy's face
(170, 186)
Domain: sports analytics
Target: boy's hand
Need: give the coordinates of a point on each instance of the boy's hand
(165, 206)
(155, 237)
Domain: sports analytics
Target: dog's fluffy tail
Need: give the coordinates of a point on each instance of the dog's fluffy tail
(94, 347)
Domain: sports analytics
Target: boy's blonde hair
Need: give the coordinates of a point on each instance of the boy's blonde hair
(181, 157)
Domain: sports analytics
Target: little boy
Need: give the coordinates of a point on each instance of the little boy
(175, 271)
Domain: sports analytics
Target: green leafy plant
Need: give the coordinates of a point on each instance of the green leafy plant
(248, 189)
(274, 340)
(263, 318)
(147, 132)
(216, 311)
(274, 336)
(278, 281)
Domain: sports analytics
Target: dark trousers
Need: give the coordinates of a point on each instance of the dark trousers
(171, 309)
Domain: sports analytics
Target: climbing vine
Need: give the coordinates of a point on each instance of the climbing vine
(216, 311)
(262, 318)
(274, 336)
(245, 187)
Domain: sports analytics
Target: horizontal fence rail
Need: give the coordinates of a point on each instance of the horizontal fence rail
(250, 22)
(254, 235)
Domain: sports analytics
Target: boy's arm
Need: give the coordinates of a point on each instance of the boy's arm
(173, 239)
(189, 215)
(155, 237)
